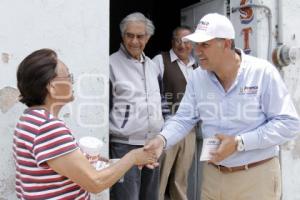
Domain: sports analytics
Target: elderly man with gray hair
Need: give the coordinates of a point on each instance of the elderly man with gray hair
(135, 106)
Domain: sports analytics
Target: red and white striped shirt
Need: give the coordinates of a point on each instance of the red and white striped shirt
(40, 137)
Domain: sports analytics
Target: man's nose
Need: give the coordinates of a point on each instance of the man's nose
(135, 40)
(198, 52)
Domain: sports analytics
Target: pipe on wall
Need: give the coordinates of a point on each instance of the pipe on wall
(279, 37)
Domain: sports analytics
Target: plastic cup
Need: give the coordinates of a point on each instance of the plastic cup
(91, 147)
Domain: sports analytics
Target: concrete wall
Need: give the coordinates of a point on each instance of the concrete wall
(78, 31)
(290, 154)
(291, 74)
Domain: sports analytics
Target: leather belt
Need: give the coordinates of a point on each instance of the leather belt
(224, 169)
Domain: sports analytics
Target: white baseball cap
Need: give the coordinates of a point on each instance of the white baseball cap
(212, 26)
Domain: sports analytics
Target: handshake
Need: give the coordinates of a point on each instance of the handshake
(145, 156)
(149, 154)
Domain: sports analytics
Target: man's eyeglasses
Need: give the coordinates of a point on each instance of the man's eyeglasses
(138, 36)
(70, 77)
(179, 41)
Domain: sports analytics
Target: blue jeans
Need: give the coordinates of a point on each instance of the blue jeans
(138, 184)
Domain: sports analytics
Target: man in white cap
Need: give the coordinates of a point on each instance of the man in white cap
(243, 102)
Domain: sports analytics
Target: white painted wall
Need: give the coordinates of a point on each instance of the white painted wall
(79, 31)
(290, 154)
(291, 75)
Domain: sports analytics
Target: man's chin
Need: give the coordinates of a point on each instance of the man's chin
(203, 67)
(135, 54)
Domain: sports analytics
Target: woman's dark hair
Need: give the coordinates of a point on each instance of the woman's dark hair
(34, 74)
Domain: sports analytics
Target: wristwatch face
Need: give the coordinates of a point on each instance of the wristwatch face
(240, 146)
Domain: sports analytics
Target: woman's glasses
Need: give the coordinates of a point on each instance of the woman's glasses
(70, 77)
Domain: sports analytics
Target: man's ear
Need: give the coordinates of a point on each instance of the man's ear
(227, 43)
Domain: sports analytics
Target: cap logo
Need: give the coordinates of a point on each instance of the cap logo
(202, 25)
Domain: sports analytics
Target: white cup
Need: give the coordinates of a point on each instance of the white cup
(91, 147)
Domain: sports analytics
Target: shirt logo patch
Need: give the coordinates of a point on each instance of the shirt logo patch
(248, 90)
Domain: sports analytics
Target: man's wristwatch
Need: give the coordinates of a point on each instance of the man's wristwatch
(163, 139)
(240, 143)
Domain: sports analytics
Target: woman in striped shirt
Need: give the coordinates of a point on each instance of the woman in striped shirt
(49, 163)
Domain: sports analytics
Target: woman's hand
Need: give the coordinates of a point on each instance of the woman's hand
(142, 157)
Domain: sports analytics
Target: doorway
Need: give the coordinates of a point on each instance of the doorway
(164, 17)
